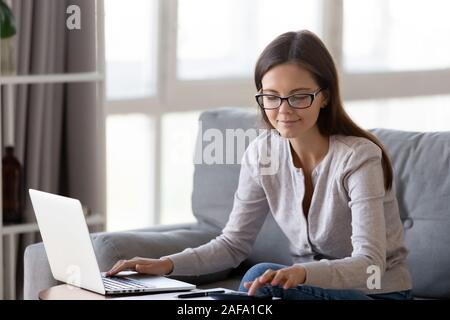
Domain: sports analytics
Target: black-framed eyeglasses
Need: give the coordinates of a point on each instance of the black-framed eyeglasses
(269, 101)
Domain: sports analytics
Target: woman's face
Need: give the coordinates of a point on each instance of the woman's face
(284, 80)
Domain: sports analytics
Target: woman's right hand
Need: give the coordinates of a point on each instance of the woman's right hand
(158, 267)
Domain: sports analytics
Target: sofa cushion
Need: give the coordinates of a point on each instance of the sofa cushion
(421, 162)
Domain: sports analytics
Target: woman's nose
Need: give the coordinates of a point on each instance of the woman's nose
(285, 107)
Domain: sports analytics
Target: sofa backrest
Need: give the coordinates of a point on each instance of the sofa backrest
(421, 164)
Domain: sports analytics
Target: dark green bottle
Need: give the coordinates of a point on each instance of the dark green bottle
(12, 187)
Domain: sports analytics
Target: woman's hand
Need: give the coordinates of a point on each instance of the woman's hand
(287, 278)
(143, 265)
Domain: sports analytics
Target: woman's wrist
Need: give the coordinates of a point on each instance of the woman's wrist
(169, 265)
(303, 277)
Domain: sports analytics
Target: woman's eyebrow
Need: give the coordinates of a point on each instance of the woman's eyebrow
(292, 91)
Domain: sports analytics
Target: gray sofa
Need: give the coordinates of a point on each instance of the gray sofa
(422, 172)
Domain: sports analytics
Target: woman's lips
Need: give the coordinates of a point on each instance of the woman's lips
(288, 123)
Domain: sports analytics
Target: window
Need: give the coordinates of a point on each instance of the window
(429, 113)
(179, 133)
(131, 46)
(130, 174)
(131, 43)
(200, 54)
(222, 38)
(384, 35)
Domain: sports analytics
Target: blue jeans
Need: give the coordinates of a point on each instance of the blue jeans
(304, 292)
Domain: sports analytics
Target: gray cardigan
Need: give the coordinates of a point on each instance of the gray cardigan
(353, 228)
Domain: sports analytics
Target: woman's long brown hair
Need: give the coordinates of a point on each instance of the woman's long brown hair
(305, 49)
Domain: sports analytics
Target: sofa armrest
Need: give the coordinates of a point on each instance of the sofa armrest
(169, 227)
(37, 274)
(112, 246)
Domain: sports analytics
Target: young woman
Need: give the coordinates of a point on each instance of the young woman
(333, 192)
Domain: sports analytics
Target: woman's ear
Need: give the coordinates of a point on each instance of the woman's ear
(326, 97)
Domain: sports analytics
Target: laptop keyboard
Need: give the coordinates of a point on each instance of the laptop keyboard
(123, 284)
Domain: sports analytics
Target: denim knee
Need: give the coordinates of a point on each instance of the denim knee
(256, 271)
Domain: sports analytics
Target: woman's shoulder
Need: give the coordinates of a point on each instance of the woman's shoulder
(353, 151)
(353, 144)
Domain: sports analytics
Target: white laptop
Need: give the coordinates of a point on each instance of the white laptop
(71, 254)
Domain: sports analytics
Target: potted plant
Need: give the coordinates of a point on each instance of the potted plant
(7, 40)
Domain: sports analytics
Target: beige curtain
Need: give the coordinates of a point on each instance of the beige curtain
(58, 127)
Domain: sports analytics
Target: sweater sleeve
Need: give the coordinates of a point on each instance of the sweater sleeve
(235, 243)
(363, 180)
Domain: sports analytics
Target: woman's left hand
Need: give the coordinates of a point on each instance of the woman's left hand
(289, 277)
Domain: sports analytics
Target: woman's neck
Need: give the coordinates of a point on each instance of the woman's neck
(309, 150)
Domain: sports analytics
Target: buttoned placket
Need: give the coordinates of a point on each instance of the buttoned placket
(301, 177)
